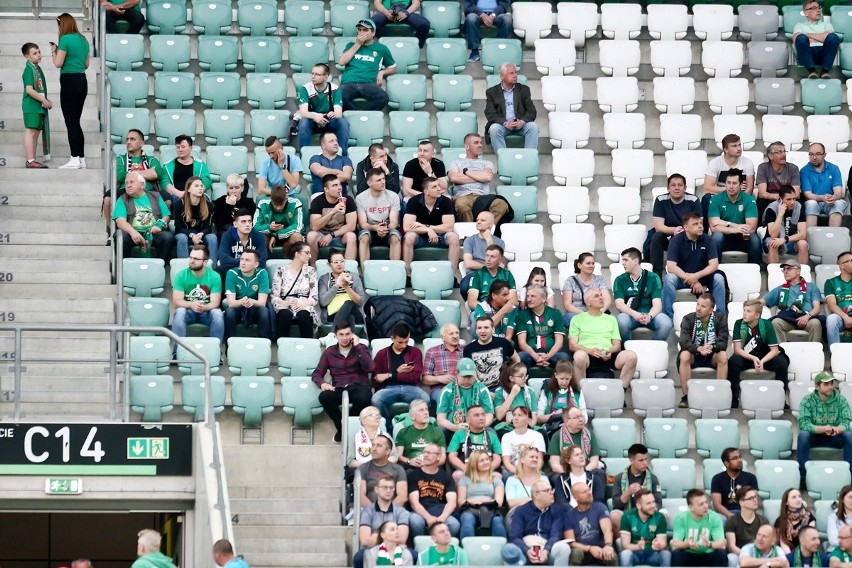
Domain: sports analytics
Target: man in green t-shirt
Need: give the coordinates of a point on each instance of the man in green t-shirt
(246, 289)
(400, 12)
(443, 552)
(841, 556)
(732, 216)
(135, 160)
(540, 331)
(413, 439)
(458, 396)
(638, 298)
(129, 11)
(755, 347)
(34, 106)
(321, 109)
(477, 436)
(143, 218)
(197, 295)
(596, 343)
(480, 282)
(838, 297)
(698, 538)
(365, 63)
(643, 533)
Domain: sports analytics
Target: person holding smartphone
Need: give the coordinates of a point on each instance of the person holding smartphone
(398, 373)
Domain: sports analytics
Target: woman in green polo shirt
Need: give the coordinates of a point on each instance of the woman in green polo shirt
(72, 57)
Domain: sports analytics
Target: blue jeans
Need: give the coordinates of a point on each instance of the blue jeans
(376, 98)
(808, 441)
(714, 558)
(671, 284)
(473, 23)
(247, 316)
(735, 242)
(498, 133)
(210, 241)
(833, 328)
(469, 522)
(645, 558)
(661, 325)
(385, 397)
(418, 23)
(214, 318)
(417, 524)
(559, 356)
(339, 126)
(823, 56)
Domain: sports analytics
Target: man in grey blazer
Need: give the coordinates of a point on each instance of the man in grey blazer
(703, 341)
(509, 109)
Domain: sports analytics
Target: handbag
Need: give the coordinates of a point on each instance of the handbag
(483, 511)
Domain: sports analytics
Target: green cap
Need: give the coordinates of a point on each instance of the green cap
(466, 367)
(823, 377)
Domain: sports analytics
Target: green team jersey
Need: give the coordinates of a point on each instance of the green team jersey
(414, 440)
(76, 49)
(318, 101)
(144, 218)
(626, 289)
(482, 280)
(455, 556)
(366, 63)
(243, 286)
(33, 77)
(507, 323)
(841, 290)
(686, 527)
(455, 401)
(541, 330)
(125, 164)
(198, 289)
(467, 441)
(291, 217)
(721, 206)
(524, 398)
(643, 530)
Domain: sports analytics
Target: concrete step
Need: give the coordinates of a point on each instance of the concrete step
(100, 275)
(57, 346)
(284, 505)
(88, 377)
(313, 470)
(91, 226)
(288, 519)
(18, 162)
(311, 559)
(51, 317)
(60, 249)
(89, 122)
(104, 291)
(283, 492)
(272, 546)
(17, 266)
(23, 26)
(56, 305)
(69, 239)
(284, 532)
(52, 193)
(43, 179)
(58, 148)
(12, 67)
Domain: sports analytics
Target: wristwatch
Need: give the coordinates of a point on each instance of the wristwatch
(464, 171)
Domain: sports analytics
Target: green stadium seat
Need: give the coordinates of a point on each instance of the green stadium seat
(265, 123)
(790, 16)
(174, 90)
(128, 88)
(452, 92)
(169, 52)
(119, 149)
(252, 398)
(192, 395)
(257, 17)
(444, 17)
(406, 92)
(166, 16)
(614, 435)
(823, 508)
(218, 53)
(821, 96)
(150, 355)
(219, 90)
(304, 17)
(171, 123)
(483, 550)
(774, 477)
(345, 14)
(305, 52)
(452, 127)
(711, 468)
(143, 277)
(770, 439)
(211, 17)
(224, 127)
(445, 311)
(825, 479)
(446, 55)
(210, 347)
(408, 128)
(266, 91)
(405, 51)
(123, 119)
(224, 160)
(771, 509)
(666, 437)
(249, 355)
(298, 356)
(384, 277)
(340, 44)
(365, 126)
(300, 399)
(712, 436)
(152, 396)
(124, 52)
(262, 54)
(676, 475)
(841, 21)
(523, 199)
(432, 280)
(518, 166)
(846, 59)
(496, 52)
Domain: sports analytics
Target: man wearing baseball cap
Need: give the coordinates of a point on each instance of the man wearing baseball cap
(799, 304)
(400, 12)
(824, 418)
(366, 63)
(458, 396)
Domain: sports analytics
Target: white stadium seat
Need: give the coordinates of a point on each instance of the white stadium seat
(569, 130)
(620, 237)
(555, 57)
(577, 20)
(741, 124)
(671, 58)
(524, 241)
(786, 128)
(692, 164)
(617, 94)
(728, 96)
(621, 21)
(633, 167)
(832, 131)
(667, 21)
(567, 204)
(680, 131)
(722, 58)
(573, 167)
(533, 22)
(571, 239)
(563, 94)
(674, 95)
(619, 205)
(624, 130)
(619, 58)
(714, 22)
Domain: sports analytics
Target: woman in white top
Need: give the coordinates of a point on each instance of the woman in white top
(519, 486)
(840, 516)
(512, 442)
(537, 277)
(361, 446)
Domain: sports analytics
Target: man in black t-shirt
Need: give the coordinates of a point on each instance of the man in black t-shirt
(333, 219)
(419, 168)
(669, 210)
(724, 485)
(431, 494)
(489, 353)
(428, 222)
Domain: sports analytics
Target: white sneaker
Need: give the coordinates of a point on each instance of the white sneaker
(82, 163)
(46, 158)
(73, 164)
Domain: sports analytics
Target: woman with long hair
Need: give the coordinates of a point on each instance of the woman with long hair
(574, 464)
(559, 392)
(389, 551)
(793, 518)
(511, 393)
(341, 292)
(193, 217)
(72, 57)
(295, 293)
(537, 277)
(519, 486)
(480, 494)
(584, 278)
(840, 516)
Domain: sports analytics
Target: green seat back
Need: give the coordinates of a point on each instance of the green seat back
(192, 395)
(151, 396)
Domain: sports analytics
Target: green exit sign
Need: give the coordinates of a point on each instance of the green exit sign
(147, 448)
(63, 486)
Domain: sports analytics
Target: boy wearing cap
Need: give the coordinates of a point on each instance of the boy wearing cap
(458, 396)
(824, 418)
(400, 12)
(799, 304)
(366, 64)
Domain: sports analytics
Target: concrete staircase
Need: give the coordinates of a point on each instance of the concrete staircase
(55, 267)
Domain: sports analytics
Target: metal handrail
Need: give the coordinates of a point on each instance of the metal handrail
(114, 330)
(344, 439)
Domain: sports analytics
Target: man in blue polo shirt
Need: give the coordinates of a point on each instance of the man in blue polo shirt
(733, 219)
(822, 187)
(693, 263)
(669, 210)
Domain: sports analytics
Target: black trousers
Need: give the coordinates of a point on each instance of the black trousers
(302, 318)
(134, 18)
(73, 90)
(359, 399)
